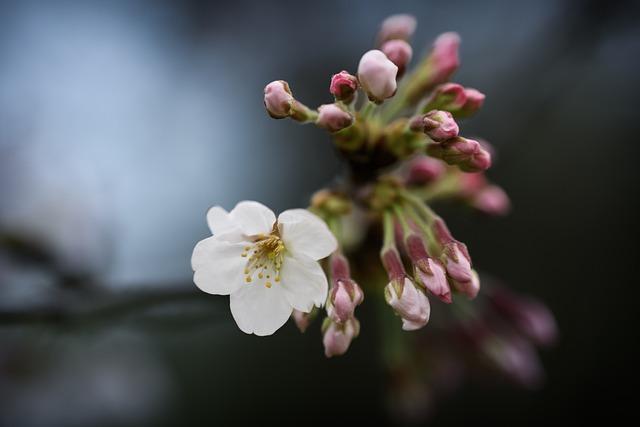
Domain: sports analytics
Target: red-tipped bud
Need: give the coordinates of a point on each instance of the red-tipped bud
(428, 272)
(436, 124)
(343, 86)
(491, 200)
(401, 26)
(399, 52)
(409, 302)
(333, 118)
(278, 99)
(377, 76)
(337, 337)
(345, 294)
(344, 297)
(393, 264)
(467, 154)
(425, 170)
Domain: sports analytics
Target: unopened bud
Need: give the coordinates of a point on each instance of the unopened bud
(377, 76)
(491, 200)
(345, 294)
(474, 102)
(280, 103)
(399, 52)
(333, 118)
(441, 63)
(448, 96)
(278, 99)
(457, 261)
(343, 86)
(469, 288)
(338, 337)
(425, 170)
(428, 272)
(436, 124)
(467, 154)
(396, 27)
(409, 302)
(517, 358)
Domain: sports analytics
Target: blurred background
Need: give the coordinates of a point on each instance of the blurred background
(122, 122)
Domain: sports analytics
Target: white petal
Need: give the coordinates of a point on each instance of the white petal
(253, 218)
(259, 310)
(222, 226)
(218, 265)
(304, 233)
(303, 282)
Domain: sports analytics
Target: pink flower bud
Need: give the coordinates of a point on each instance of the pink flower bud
(457, 262)
(424, 170)
(474, 102)
(344, 297)
(444, 57)
(491, 200)
(472, 183)
(393, 264)
(333, 118)
(399, 52)
(467, 154)
(448, 96)
(428, 272)
(278, 99)
(303, 319)
(469, 288)
(338, 337)
(399, 26)
(409, 302)
(343, 86)
(438, 125)
(529, 315)
(377, 76)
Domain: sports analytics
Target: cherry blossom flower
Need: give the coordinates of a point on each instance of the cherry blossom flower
(268, 266)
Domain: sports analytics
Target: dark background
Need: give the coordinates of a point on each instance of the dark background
(122, 122)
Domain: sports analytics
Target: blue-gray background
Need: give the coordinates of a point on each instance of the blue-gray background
(122, 122)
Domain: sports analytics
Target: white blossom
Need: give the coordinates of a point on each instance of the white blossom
(268, 267)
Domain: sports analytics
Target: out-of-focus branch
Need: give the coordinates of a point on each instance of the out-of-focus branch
(98, 307)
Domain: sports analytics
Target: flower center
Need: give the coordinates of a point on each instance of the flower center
(265, 259)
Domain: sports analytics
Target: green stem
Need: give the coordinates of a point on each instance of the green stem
(406, 229)
(389, 240)
(367, 109)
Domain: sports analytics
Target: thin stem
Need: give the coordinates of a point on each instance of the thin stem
(389, 240)
(429, 214)
(367, 109)
(406, 229)
(419, 221)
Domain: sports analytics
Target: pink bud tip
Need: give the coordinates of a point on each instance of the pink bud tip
(377, 76)
(475, 99)
(344, 297)
(400, 26)
(278, 99)
(444, 56)
(343, 86)
(492, 200)
(301, 319)
(457, 262)
(333, 118)
(425, 170)
(399, 52)
(337, 338)
(440, 125)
